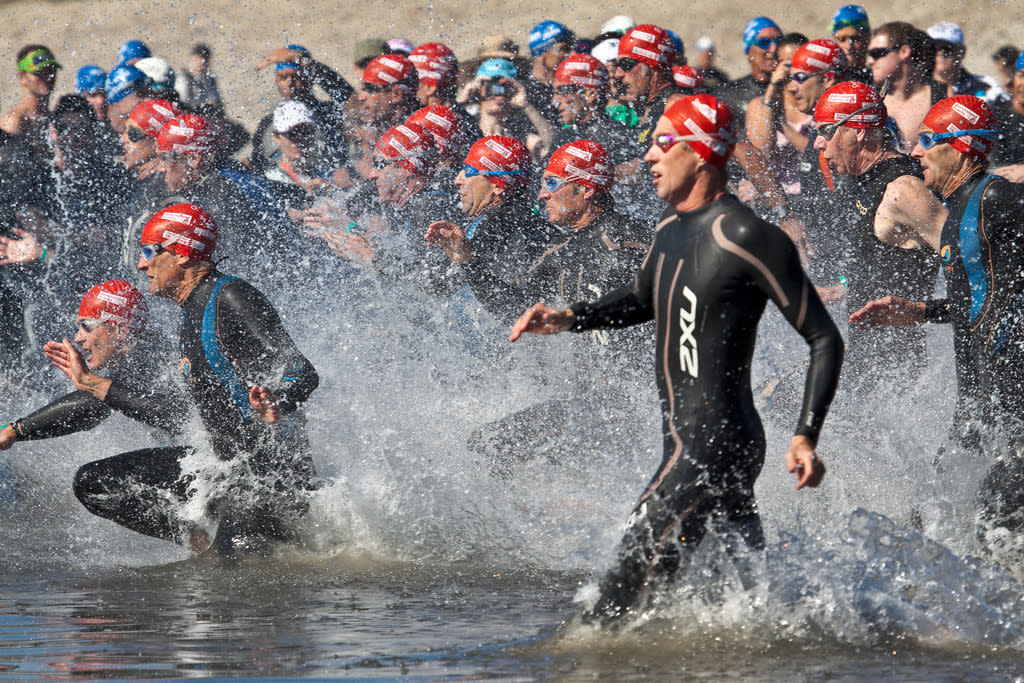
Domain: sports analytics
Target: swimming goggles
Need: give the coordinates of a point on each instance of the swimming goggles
(151, 251)
(928, 140)
(802, 77)
(88, 325)
(766, 43)
(469, 172)
(667, 141)
(829, 129)
(553, 183)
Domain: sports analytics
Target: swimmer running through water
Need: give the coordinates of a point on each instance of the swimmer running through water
(705, 282)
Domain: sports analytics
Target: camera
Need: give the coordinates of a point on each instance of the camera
(493, 88)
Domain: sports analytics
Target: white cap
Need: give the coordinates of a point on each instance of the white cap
(606, 51)
(158, 70)
(947, 31)
(705, 44)
(620, 23)
(289, 114)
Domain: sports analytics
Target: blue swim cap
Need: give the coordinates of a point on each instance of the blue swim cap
(90, 78)
(755, 26)
(547, 33)
(678, 42)
(1020, 63)
(123, 81)
(850, 15)
(496, 68)
(281, 66)
(133, 49)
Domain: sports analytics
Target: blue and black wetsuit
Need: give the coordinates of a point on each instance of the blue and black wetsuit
(230, 339)
(705, 282)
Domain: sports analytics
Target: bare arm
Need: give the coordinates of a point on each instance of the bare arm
(910, 215)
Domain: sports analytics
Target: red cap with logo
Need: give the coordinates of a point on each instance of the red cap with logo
(649, 44)
(503, 154)
(188, 134)
(114, 301)
(184, 229)
(843, 99)
(582, 70)
(687, 77)
(963, 112)
(442, 122)
(435, 64)
(583, 162)
(410, 146)
(390, 70)
(151, 115)
(820, 56)
(706, 124)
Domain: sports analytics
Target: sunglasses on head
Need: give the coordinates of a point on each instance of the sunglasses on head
(469, 172)
(928, 140)
(879, 52)
(829, 129)
(135, 134)
(766, 43)
(801, 77)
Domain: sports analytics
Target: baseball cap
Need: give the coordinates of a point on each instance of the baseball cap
(289, 114)
(946, 31)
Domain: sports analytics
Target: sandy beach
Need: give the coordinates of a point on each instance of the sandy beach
(90, 31)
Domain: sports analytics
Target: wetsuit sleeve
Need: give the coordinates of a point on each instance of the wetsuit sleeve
(775, 266)
(630, 305)
(75, 412)
(164, 410)
(937, 311)
(332, 83)
(252, 336)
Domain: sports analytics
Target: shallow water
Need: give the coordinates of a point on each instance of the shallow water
(418, 562)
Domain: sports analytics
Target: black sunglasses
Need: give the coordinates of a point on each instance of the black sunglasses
(627, 64)
(802, 77)
(373, 88)
(135, 134)
(877, 53)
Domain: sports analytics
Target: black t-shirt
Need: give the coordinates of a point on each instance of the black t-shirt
(1009, 148)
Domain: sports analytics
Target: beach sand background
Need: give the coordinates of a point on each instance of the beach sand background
(241, 33)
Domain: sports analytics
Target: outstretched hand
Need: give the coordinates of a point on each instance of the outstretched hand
(541, 319)
(69, 360)
(449, 237)
(801, 459)
(889, 311)
(279, 55)
(264, 402)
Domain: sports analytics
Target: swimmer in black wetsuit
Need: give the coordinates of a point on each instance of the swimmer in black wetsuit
(245, 377)
(112, 330)
(705, 282)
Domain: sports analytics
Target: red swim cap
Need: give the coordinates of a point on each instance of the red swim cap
(188, 229)
(583, 162)
(410, 145)
(188, 134)
(435, 64)
(390, 70)
(442, 122)
(687, 77)
(709, 121)
(582, 70)
(842, 99)
(114, 301)
(151, 115)
(820, 56)
(963, 112)
(501, 153)
(649, 44)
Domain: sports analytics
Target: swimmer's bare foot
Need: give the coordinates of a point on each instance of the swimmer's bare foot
(198, 540)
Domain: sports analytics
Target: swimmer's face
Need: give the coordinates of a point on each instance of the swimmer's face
(165, 272)
(806, 94)
(675, 171)
(889, 64)
(136, 153)
(289, 83)
(854, 43)
(574, 103)
(476, 192)
(764, 60)
(118, 112)
(98, 101)
(1018, 87)
(938, 164)
(566, 204)
(635, 80)
(40, 83)
(841, 152)
(178, 172)
(99, 341)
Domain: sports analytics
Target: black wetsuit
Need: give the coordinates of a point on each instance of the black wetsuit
(230, 339)
(705, 283)
(884, 357)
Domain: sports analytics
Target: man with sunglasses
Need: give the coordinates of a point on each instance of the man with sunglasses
(761, 38)
(295, 75)
(500, 237)
(902, 59)
(852, 31)
(247, 380)
(857, 146)
(705, 282)
(114, 336)
(978, 233)
(30, 116)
